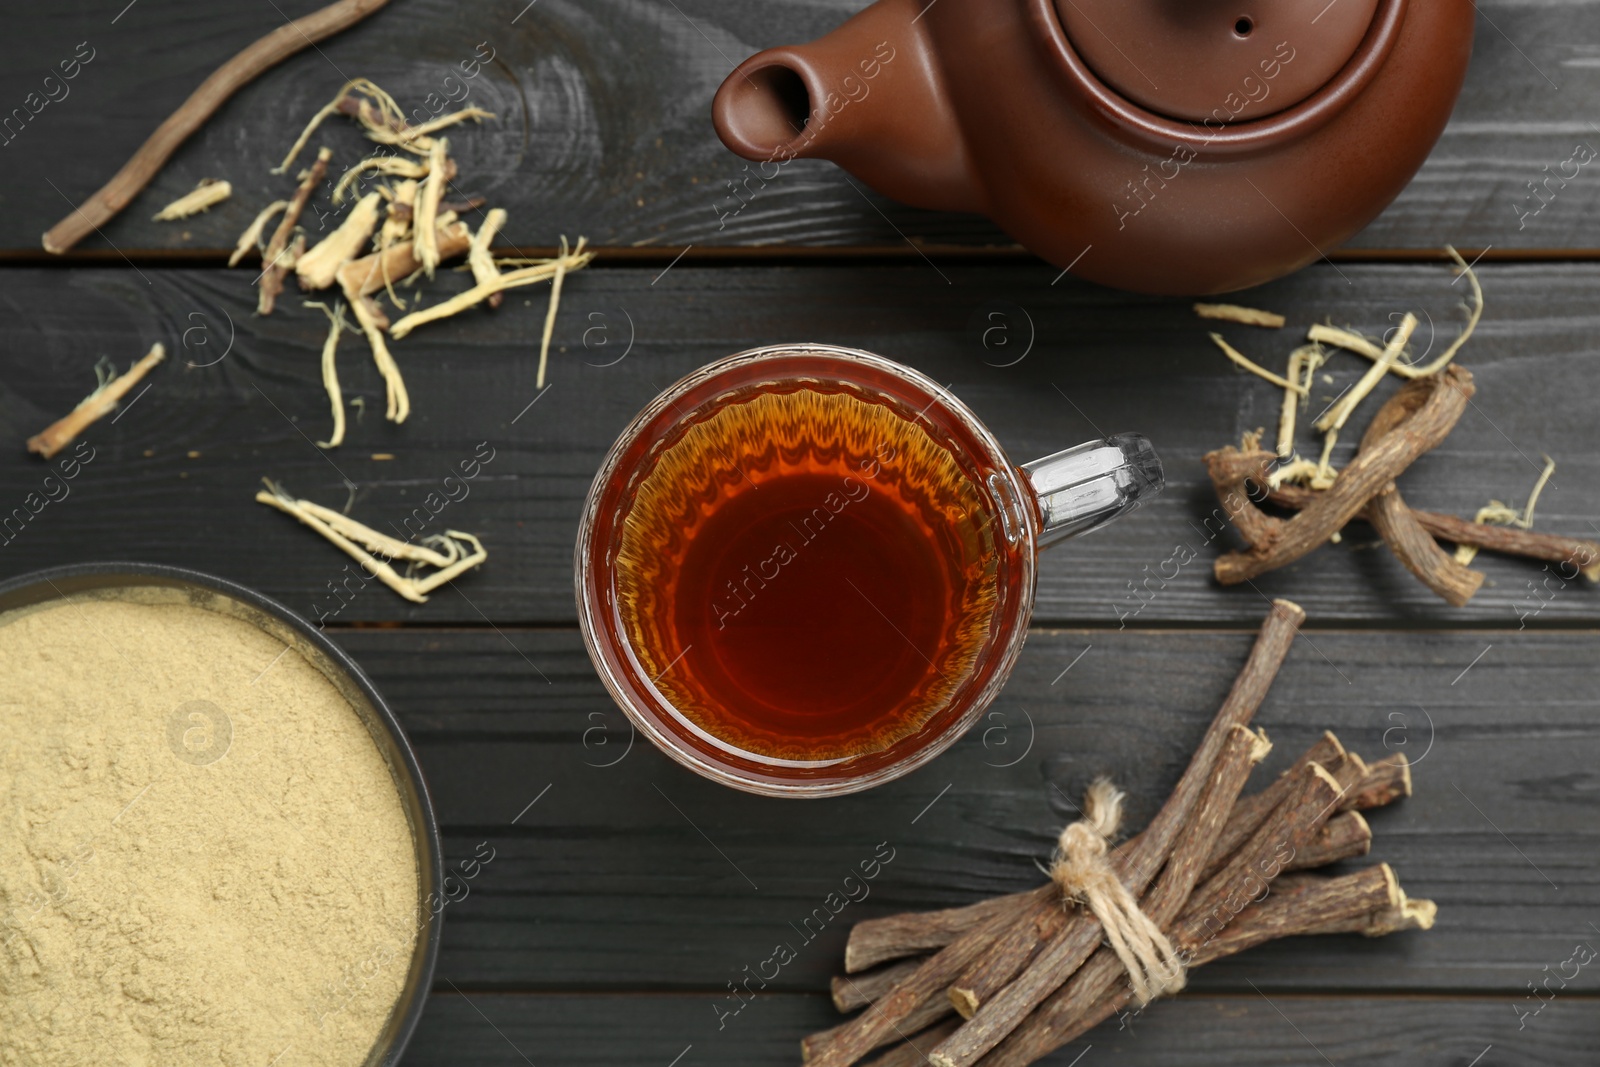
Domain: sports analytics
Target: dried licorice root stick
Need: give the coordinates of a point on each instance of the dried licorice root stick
(480, 259)
(1442, 401)
(1242, 750)
(1336, 416)
(1052, 940)
(1270, 850)
(1400, 530)
(893, 936)
(1386, 781)
(1347, 768)
(429, 195)
(922, 997)
(1345, 836)
(273, 496)
(251, 237)
(1398, 913)
(1363, 902)
(909, 933)
(1235, 467)
(227, 79)
(1207, 913)
(1341, 837)
(555, 305)
(203, 197)
(319, 267)
(1257, 369)
(913, 1052)
(1066, 949)
(1252, 810)
(1416, 549)
(1581, 555)
(918, 1001)
(1354, 342)
(370, 319)
(857, 991)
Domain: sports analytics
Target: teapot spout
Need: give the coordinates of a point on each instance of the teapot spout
(868, 96)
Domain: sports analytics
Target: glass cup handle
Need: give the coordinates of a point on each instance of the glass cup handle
(1085, 487)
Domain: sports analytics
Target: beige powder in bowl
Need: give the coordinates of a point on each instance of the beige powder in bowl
(204, 857)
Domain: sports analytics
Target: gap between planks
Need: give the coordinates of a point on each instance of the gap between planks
(1175, 626)
(1298, 993)
(624, 256)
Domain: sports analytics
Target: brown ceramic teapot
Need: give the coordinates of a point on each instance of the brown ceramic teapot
(1170, 146)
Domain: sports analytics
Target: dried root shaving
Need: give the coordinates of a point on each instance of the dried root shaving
(398, 407)
(341, 103)
(318, 268)
(330, 370)
(413, 134)
(1334, 418)
(1303, 364)
(1242, 315)
(251, 237)
(396, 228)
(1354, 342)
(556, 268)
(427, 208)
(103, 401)
(1505, 515)
(479, 258)
(452, 554)
(277, 263)
(555, 302)
(1255, 368)
(208, 194)
(390, 166)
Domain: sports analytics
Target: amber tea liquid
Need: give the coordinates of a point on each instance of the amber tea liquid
(807, 575)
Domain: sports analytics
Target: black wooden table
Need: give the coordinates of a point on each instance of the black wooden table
(626, 893)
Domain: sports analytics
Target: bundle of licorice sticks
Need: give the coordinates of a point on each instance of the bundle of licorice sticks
(1005, 981)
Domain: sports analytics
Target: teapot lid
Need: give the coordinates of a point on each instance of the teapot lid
(1223, 60)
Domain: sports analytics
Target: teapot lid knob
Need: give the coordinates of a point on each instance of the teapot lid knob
(1223, 60)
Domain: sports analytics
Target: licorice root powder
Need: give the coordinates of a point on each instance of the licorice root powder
(204, 857)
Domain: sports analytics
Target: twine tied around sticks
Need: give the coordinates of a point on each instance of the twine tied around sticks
(1082, 869)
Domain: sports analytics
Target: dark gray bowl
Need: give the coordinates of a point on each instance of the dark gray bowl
(268, 615)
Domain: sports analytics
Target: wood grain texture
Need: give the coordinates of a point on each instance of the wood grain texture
(1193, 1030)
(605, 127)
(1095, 362)
(626, 893)
(632, 874)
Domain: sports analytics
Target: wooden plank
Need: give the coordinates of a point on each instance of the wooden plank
(1192, 1030)
(1098, 362)
(628, 872)
(604, 126)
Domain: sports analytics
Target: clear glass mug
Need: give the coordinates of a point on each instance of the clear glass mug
(806, 570)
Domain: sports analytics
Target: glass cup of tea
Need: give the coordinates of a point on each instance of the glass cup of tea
(805, 570)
